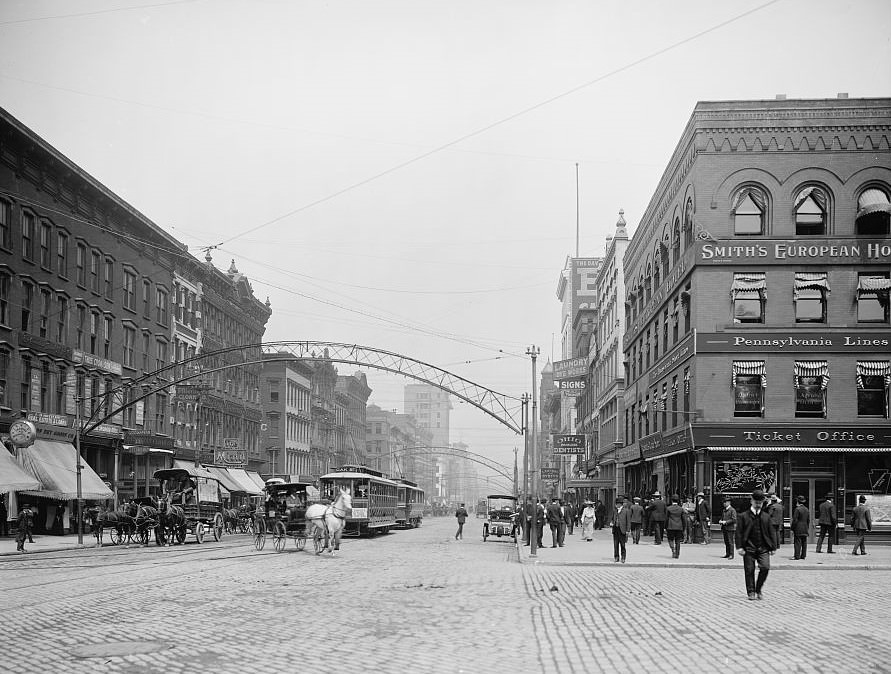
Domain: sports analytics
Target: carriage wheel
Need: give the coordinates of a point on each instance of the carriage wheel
(260, 535)
(115, 535)
(217, 527)
(301, 542)
(279, 537)
(199, 532)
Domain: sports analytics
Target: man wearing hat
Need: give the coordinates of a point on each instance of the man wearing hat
(621, 525)
(801, 525)
(861, 521)
(704, 518)
(675, 525)
(657, 511)
(776, 516)
(756, 542)
(828, 520)
(728, 527)
(637, 515)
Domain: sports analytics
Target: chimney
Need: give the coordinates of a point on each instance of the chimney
(843, 94)
(781, 97)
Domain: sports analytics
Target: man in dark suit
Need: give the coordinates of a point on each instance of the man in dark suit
(657, 510)
(621, 525)
(555, 521)
(776, 516)
(756, 542)
(728, 527)
(599, 514)
(861, 521)
(568, 517)
(675, 516)
(828, 521)
(704, 518)
(637, 514)
(801, 524)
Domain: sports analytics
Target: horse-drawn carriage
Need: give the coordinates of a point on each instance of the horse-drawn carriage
(190, 503)
(133, 522)
(501, 520)
(294, 510)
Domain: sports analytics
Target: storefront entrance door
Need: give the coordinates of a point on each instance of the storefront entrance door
(814, 490)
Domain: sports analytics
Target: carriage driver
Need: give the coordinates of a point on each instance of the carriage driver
(293, 502)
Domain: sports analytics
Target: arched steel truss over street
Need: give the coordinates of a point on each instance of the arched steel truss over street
(499, 468)
(501, 407)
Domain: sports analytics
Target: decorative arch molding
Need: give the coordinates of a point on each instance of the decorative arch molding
(732, 181)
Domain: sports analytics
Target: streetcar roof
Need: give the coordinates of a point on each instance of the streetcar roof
(284, 486)
(493, 497)
(349, 475)
(179, 473)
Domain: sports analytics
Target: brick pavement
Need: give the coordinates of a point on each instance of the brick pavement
(420, 601)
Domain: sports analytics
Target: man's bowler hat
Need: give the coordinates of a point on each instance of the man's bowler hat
(758, 495)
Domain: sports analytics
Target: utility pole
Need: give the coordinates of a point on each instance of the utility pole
(533, 351)
(80, 494)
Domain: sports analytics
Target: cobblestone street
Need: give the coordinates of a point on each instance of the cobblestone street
(421, 601)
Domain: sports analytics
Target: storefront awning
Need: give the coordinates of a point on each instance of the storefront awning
(226, 480)
(873, 201)
(757, 449)
(753, 284)
(12, 476)
(259, 481)
(810, 280)
(54, 464)
(246, 484)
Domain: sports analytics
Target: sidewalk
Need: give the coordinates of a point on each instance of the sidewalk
(599, 552)
(45, 543)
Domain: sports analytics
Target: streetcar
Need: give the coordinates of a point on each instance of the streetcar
(375, 498)
(409, 504)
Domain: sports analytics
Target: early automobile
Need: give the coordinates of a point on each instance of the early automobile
(501, 521)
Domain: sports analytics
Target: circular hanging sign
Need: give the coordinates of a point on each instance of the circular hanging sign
(22, 433)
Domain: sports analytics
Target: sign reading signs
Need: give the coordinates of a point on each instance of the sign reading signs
(550, 474)
(568, 444)
(570, 369)
(572, 387)
(236, 458)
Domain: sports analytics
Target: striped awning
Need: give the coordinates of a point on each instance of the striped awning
(873, 201)
(812, 368)
(748, 367)
(798, 450)
(873, 368)
(873, 285)
(809, 280)
(751, 285)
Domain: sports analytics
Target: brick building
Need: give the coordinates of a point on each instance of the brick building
(757, 318)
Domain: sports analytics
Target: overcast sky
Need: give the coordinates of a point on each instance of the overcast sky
(402, 175)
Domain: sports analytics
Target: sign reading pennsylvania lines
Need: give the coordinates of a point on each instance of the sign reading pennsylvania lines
(568, 444)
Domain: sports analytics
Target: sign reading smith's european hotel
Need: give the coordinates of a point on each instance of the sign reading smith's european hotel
(834, 251)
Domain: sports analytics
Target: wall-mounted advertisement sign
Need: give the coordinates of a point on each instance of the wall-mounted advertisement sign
(550, 474)
(788, 251)
(747, 342)
(236, 458)
(572, 387)
(570, 368)
(568, 444)
(743, 477)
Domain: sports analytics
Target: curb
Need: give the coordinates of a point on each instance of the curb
(694, 565)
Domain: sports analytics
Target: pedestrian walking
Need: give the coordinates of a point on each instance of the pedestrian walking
(861, 521)
(704, 518)
(621, 525)
(776, 517)
(600, 511)
(756, 542)
(528, 512)
(23, 527)
(4, 514)
(637, 515)
(555, 521)
(828, 521)
(801, 525)
(588, 518)
(570, 517)
(541, 517)
(689, 519)
(567, 520)
(728, 527)
(657, 510)
(461, 515)
(647, 520)
(675, 525)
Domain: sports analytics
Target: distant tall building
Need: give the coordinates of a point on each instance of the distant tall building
(430, 406)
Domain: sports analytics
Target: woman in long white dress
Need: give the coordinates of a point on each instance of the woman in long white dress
(588, 517)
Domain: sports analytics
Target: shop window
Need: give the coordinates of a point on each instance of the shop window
(748, 380)
(809, 295)
(873, 380)
(810, 212)
(811, 381)
(748, 212)
(873, 209)
(872, 297)
(749, 294)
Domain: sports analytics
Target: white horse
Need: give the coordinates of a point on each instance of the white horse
(329, 521)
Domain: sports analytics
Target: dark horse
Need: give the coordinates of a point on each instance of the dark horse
(120, 521)
(172, 525)
(230, 520)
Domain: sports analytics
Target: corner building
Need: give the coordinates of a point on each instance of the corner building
(757, 344)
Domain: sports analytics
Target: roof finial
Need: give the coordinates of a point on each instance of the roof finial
(208, 257)
(232, 268)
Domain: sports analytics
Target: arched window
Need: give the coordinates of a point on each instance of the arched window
(676, 241)
(657, 279)
(810, 212)
(873, 212)
(749, 212)
(688, 224)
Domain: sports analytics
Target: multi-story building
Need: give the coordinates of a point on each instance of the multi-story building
(430, 406)
(395, 446)
(354, 390)
(286, 393)
(757, 313)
